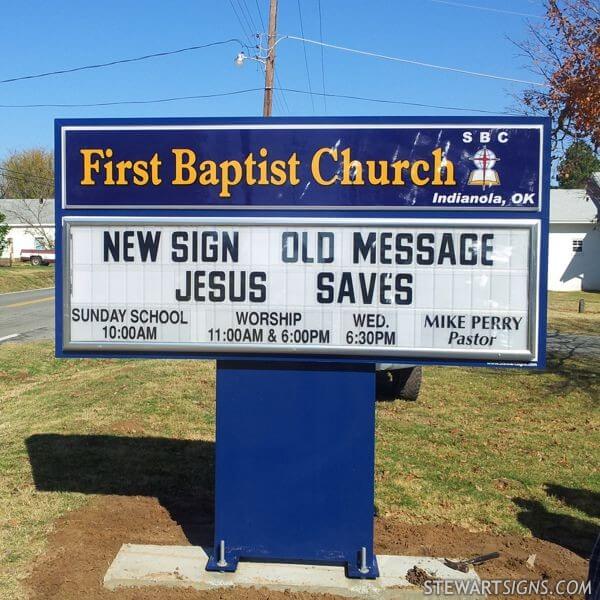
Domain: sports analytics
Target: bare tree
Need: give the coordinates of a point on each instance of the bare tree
(29, 176)
(564, 50)
(32, 213)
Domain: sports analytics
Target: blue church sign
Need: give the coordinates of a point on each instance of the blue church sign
(298, 253)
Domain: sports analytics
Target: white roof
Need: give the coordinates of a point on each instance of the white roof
(22, 212)
(572, 206)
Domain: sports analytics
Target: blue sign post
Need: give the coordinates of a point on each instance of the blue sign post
(299, 253)
(294, 464)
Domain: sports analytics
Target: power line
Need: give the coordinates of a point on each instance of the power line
(260, 16)
(249, 13)
(403, 102)
(276, 103)
(413, 62)
(322, 55)
(488, 8)
(125, 102)
(250, 90)
(237, 16)
(245, 17)
(312, 100)
(120, 61)
(282, 99)
(22, 179)
(281, 91)
(12, 172)
(258, 35)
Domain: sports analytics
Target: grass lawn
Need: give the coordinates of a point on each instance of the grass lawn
(492, 450)
(23, 276)
(563, 315)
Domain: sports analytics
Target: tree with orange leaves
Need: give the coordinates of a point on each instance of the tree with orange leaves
(565, 51)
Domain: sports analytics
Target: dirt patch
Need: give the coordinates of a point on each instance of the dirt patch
(552, 562)
(127, 426)
(417, 576)
(86, 541)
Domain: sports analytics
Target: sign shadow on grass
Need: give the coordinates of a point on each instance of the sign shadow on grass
(573, 376)
(179, 473)
(578, 498)
(572, 533)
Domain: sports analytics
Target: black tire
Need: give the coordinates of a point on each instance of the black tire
(403, 384)
(412, 385)
(36, 261)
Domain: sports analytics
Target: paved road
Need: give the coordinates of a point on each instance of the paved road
(568, 343)
(27, 316)
(30, 316)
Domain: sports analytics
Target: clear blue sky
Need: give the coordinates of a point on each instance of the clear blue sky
(40, 36)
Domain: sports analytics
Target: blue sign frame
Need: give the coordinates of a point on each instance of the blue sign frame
(540, 214)
(301, 487)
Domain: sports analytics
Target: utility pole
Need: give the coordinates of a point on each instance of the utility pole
(270, 62)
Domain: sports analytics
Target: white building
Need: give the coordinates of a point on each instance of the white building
(574, 245)
(573, 262)
(31, 225)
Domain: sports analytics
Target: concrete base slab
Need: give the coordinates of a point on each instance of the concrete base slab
(183, 566)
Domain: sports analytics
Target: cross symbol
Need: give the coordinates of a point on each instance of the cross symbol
(485, 159)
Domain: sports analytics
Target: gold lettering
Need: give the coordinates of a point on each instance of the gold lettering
(383, 178)
(208, 173)
(293, 163)
(227, 181)
(249, 165)
(184, 163)
(439, 163)
(122, 167)
(263, 178)
(414, 172)
(140, 172)
(315, 165)
(89, 165)
(398, 167)
(155, 164)
(278, 172)
(351, 169)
